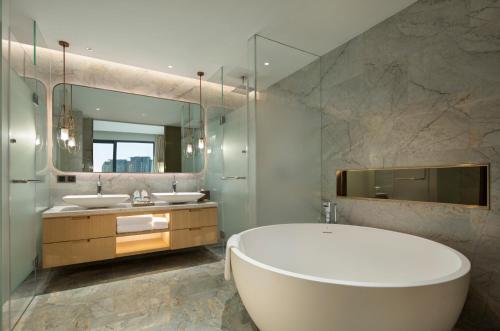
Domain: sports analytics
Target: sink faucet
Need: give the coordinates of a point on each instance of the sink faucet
(174, 185)
(99, 186)
(327, 207)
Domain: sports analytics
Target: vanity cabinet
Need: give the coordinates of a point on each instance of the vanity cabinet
(193, 218)
(193, 227)
(194, 237)
(87, 238)
(79, 227)
(78, 251)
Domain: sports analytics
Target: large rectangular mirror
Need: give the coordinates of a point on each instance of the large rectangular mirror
(464, 184)
(113, 131)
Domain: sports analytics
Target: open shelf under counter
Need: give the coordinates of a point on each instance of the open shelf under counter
(132, 244)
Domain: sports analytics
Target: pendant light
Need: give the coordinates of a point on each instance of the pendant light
(66, 133)
(201, 139)
(73, 143)
(189, 145)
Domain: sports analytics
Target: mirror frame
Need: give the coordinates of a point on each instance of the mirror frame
(338, 173)
(50, 129)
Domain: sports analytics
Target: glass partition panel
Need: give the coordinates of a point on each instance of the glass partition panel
(286, 132)
(26, 163)
(227, 175)
(22, 179)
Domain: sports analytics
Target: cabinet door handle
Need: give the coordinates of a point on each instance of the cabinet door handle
(232, 177)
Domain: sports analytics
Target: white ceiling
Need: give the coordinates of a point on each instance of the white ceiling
(194, 35)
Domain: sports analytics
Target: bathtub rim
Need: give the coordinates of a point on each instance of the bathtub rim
(461, 272)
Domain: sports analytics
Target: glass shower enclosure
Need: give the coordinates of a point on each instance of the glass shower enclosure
(25, 168)
(227, 150)
(264, 139)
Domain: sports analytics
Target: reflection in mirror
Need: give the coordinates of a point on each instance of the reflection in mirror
(465, 184)
(122, 132)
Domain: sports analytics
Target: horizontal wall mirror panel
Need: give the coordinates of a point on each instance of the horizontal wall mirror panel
(97, 130)
(464, 184)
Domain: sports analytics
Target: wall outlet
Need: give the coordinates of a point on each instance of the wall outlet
(66, 179)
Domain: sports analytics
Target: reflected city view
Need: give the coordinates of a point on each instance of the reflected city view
(135, 164)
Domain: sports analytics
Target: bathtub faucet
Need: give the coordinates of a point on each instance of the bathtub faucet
(327, 208)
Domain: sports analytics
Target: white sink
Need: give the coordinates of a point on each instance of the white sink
(95, 200)
(178, 197)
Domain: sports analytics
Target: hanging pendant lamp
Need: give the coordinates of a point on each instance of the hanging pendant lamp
(201, 139)
(66, 130)
(189, 138)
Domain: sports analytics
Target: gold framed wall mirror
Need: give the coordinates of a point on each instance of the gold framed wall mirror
(466, 184)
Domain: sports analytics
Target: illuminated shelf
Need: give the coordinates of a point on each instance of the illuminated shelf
(142, 243)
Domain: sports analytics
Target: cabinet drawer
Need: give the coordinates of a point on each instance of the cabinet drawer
(76, 228)
(71, 252)
(193, 218)
(193, 237)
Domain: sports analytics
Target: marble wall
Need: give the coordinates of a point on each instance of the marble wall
(423, 88)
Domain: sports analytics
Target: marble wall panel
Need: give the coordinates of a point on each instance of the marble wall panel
(422, 88)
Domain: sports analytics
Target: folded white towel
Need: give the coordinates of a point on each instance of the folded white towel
(135, 219)
(234, 241)
(124, 228)
(160, 223)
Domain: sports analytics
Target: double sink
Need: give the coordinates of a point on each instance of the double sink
(108, 200)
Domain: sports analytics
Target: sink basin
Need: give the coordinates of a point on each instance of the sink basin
(178, 197)
(95, 200)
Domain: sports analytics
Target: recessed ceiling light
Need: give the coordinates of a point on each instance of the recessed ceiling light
(98, 109)
(170, 66)
(90, 49)
(266, 63)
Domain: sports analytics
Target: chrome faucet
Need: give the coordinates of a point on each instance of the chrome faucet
(327, 208)
(99, 186)
(174, 185)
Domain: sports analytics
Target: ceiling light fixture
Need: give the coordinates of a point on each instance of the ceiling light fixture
(90, 49)
(170, 66)
(266, 63)
(98, 109)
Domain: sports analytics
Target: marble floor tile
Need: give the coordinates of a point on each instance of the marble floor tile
(184, 291)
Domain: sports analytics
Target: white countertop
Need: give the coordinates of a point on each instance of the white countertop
(69, 210)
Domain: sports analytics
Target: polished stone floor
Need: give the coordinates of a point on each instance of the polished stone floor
(181, 291)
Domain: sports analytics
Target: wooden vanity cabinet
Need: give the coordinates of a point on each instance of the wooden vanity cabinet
(70, 240)
(193, 227)
(79, 239)
(78, 251)
(80, 227)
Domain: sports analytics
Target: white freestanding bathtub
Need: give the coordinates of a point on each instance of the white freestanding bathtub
(315, 277)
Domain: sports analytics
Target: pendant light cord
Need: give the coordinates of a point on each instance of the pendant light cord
(202, 114)
(64, 79)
